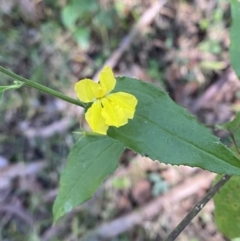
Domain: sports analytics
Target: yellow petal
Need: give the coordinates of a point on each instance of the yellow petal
(95, 119)
(125, 101)
(88, 91)
(107, 80)
(113, 113)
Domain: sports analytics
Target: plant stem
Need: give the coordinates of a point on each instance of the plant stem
(196, 209)
(41, 87)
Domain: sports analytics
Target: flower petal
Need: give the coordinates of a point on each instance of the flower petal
(125, 101)
(107, 79)
(95, 119)
(86, 90)
(113, 113)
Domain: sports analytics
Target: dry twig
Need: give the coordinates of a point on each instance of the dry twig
(196, 209)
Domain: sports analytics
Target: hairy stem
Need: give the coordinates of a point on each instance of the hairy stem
(196, 209)
(41, 87)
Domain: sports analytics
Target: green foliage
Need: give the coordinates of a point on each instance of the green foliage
(235, 239)
(227, 207)
(235, 37)
(81, 36)
(121, 183)
(90, 161)
(16, 85)
(213, 65)
(166, 132)
(160, 129)
(233, 127)
(76, 10)
(2, 90)
(210, 46)
(78, 15)
(73, 15)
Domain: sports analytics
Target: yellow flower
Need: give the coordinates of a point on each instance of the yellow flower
(107, 109)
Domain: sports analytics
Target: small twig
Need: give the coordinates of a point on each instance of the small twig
(197, 208)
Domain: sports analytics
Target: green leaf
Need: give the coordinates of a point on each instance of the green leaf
(8, 87)
(227, 208)
(166, 132)
(70, 14)
(75, 11)
(233, 127)
(81, 36)
(86, 6)
(235, 37)
(90, 161)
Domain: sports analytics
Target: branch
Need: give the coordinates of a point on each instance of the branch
(197, 208)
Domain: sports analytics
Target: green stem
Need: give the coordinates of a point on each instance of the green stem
(41, 87)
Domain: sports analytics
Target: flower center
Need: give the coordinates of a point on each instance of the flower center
(100, 92)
